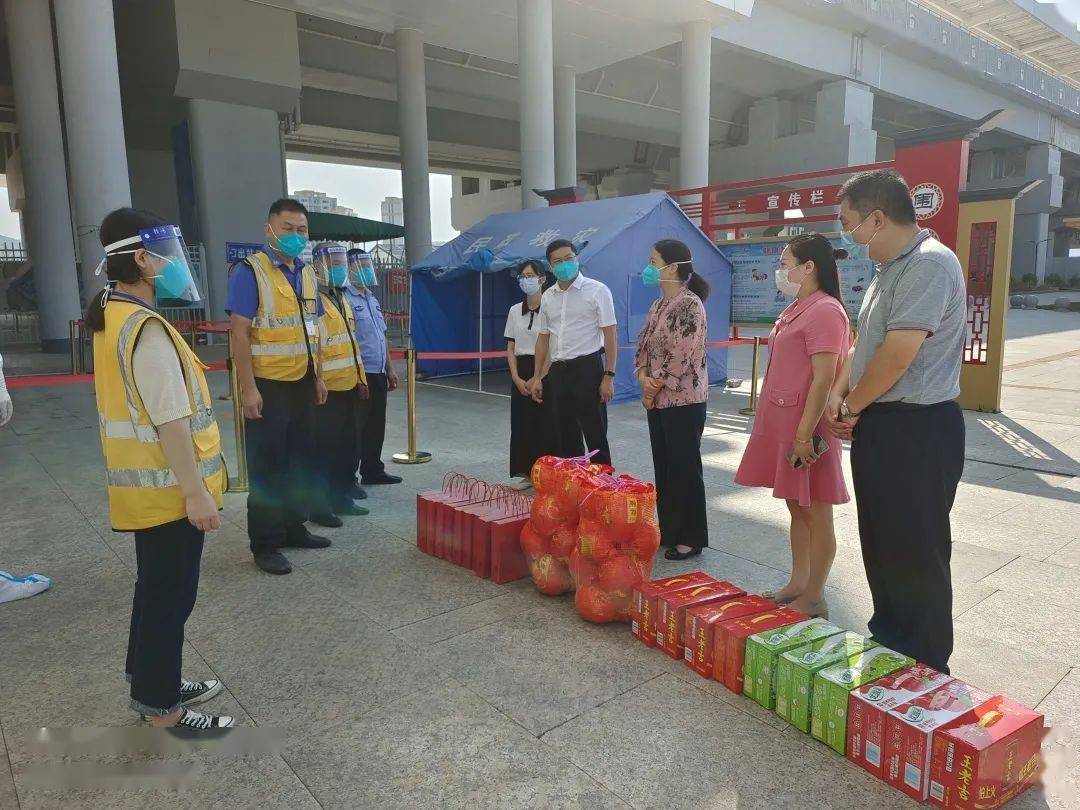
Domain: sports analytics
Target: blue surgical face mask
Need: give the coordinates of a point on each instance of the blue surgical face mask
(173, 280)
(338, 275)
(367, 276)
(530, 285)
(290, 244)
(565, 270)
(847, 238)
(650, 276)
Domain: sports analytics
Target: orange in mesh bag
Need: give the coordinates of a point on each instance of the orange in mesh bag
(543, 474)
(551, 576)
(617, 539)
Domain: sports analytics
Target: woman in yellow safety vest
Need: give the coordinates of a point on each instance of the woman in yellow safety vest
(162, 450)
(339, 421)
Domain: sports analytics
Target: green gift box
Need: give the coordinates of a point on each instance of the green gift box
(795, 670)
(764, 648)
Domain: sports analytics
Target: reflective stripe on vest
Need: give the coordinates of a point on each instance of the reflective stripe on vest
(143, 492)
(280, 345)
(159, 479)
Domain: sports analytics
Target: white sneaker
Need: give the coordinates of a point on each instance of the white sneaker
(519, 483)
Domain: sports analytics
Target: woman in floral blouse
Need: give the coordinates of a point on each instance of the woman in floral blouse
(671, 368)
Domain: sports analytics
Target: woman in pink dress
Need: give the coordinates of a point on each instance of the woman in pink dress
(791, 450)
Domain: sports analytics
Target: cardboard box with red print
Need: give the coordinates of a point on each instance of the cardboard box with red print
(731, 643)
(643, 602)
(869, 706)
(988, 758)
(671, 611)
(910, 727)
(699, 633)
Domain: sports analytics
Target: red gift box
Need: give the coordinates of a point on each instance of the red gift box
(989, 758)
(671, 611)
(507, 504)
(731, 642)
(869, 706)
(699, 635)
(909, 729)
(643, 602)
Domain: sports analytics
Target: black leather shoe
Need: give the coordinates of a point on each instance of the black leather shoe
(357, 492)
(273, 562)
(308, 540)
(328, 520)
(381, 478)
(351, 509)
(675, 554)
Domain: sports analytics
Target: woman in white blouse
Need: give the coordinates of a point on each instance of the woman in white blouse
(532, 425)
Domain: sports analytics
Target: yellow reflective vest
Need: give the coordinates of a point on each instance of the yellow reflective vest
(339, 353)
(284, 337)
(143, 491)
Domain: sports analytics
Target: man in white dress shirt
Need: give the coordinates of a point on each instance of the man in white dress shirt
(577, 320)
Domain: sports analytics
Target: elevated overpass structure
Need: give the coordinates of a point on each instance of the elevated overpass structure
(194, 109)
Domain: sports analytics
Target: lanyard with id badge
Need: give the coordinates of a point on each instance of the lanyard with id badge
(309, 311)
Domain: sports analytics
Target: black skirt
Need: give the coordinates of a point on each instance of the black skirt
(532, 424)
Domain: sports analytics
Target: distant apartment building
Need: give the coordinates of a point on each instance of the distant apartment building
(317, 201)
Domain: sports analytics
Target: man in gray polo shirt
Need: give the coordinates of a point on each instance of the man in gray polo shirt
(895, 399)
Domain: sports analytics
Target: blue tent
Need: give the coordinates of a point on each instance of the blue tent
(462, 292)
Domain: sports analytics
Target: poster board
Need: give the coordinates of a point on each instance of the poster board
(755, 301)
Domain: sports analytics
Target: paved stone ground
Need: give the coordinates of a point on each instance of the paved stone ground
(399, 680)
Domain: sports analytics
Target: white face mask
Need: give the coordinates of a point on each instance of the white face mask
(784, 283)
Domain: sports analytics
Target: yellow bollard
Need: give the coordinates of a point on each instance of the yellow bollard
(240, 482)
(749, 411)
(413, 456)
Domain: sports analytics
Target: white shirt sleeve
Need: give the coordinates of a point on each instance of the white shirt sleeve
(158, 376)
(510, 333)
(542, 326)
(605, 306)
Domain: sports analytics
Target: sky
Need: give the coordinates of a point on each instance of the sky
(361, 188)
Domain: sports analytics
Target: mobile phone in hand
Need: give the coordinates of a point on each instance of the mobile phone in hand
(820, 446)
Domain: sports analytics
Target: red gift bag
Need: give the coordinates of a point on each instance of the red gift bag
(507, 504)
(454, 485)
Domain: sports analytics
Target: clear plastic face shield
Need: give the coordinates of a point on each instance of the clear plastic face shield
(332, 264)
(362, 269)
(173, 279)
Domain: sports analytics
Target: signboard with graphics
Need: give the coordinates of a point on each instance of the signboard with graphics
(754, 297)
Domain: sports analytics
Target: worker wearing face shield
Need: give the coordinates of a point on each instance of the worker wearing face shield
(338, 422)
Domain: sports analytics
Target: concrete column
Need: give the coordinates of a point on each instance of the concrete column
(696, 78)
(236, 163)
(95, 122)
(565, 126)
(1032, 240)
(48, 215)
(413, 136)
(536, 101)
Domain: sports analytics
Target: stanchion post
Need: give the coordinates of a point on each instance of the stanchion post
(413, 456)
(240, 482)
(749, 411)
(75, 348)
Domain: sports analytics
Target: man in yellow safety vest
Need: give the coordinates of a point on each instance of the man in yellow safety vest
(274, 307)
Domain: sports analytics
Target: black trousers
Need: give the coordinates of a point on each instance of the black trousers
(337, 433)
(280, 455)
(675, 435)
(533, 432)
(574, 385)
(168, 560)
(906, 464)
(368, 455)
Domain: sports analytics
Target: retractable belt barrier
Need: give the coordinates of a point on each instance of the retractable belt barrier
(239, 483)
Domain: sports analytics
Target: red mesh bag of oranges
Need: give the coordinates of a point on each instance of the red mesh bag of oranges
(551, 534)
(617, 539)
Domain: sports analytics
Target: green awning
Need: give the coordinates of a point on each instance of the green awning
(340, 228)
